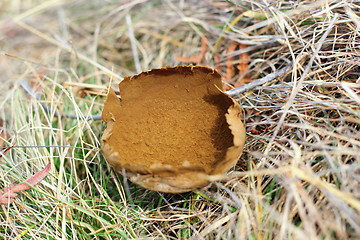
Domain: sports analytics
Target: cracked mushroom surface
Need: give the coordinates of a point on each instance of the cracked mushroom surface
(172, 128)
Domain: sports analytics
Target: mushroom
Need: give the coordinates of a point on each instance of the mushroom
(172, 128)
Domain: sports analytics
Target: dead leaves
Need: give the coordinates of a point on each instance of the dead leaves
(234, 67)
(198, 58)
(243, 67)
(4, 151)
(237, 66)
(10, 192)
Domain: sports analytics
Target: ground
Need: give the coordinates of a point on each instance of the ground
(298, 177)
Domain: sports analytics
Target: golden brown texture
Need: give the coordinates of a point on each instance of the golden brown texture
(172, 128)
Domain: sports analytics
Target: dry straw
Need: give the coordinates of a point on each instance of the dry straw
(298, 177)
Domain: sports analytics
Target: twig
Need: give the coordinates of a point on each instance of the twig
(259, 82)
(6, 149)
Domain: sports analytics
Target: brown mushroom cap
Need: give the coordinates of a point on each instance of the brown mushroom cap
(172, 128)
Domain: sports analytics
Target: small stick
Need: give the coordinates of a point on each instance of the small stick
(84, 85)
(259, 82)
(5, 150)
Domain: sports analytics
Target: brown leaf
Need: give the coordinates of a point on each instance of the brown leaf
(245, 59)
(198, 58)
(39, 175)
(10, 192)
(230, 70)
(243, 67)
(4, 151)
(217, 62)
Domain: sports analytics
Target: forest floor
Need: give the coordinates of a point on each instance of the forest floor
(299, 175)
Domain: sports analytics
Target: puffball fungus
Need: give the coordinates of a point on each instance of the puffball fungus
(172, 128)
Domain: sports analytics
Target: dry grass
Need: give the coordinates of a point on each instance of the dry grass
(299, 175)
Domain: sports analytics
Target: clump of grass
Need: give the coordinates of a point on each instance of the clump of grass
(298, 177)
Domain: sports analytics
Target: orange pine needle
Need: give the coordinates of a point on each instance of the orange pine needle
(230, 70)
(198, 58)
